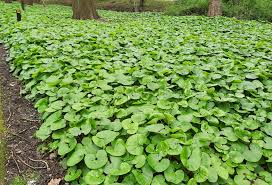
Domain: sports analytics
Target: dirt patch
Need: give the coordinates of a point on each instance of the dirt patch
(21, 122)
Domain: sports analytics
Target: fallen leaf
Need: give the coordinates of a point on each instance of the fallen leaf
(54, 181)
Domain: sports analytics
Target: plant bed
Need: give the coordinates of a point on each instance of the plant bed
(146, 98)
(23, 162)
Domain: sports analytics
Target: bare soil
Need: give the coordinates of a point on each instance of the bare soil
(21, 122)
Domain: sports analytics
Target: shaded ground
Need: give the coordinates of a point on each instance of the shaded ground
(123, 5)
(150, 6)
(21, 122)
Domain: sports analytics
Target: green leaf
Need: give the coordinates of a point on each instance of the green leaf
(222, 172)
(94, 177)
(57, 105)
(212, 174)
(143, 177)
(164, 104)
(76, 156)
(66, 145)
(58, 124)
(158, 163)
(229, 134)
(52, 80)
(254, 154)
(72, 174)
(117, 167)
(129, 126)
(173, 176)
(118, 148)
(268, 143)
(236, 157)
(191, 160)
(267, 128)
(201, 174)
(192, 182)
(239, 179)
(175, 147)
(155, 128)
(103, 138)
(139, 161)
(158, 180)
(42, 105)
(97, 160)
(135, 144)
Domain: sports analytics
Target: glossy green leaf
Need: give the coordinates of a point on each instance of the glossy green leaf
(96, 161)
(103, 138)
(158, 163)
(94, 177)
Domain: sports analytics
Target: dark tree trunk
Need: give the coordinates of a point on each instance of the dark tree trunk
(141, 5)
(134, 5)
(8, 1)
(214, 8)
(23, 4)
(84, 9)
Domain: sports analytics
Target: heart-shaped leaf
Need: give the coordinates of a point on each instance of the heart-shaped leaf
(158, 163)
(118, 148)
(103, 138)
(94, 177)
(97, 160)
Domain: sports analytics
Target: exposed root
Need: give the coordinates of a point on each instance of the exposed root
(14, 159)
(44, 162)
(33, 167)
(31, 120)
(28, 129)
(14, 134)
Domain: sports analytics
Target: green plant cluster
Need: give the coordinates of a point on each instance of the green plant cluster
(241, 9)
(148, 99)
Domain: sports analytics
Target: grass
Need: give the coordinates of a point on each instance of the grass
(18, 181)
(25, 178)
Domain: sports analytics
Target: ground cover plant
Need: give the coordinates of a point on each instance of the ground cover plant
(146, 98)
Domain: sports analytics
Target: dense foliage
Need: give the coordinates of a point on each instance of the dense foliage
(242, 9)
(145, 98)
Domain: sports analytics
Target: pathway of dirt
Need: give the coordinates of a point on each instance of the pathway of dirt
(21, 122)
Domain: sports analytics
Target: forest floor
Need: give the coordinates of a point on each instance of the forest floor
(123, 5)
(24, 164)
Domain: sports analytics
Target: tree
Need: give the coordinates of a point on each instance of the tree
(84, 9)
(137, 5)
(214, 8)
(141, 5)
(8, 1)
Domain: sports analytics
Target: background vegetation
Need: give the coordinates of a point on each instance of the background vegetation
(241, 9)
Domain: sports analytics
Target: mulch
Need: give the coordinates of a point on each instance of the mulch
(21, 122)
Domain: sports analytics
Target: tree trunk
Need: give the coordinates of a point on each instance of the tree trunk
(84, 9)
(141, 5)
(214, 8)
(8, 1)
(23, 4)
(134, 5)
(28, 2)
